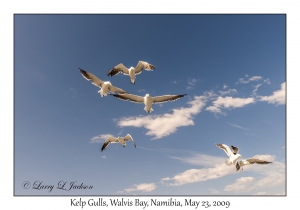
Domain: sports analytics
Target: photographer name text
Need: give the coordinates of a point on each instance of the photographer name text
(61, 185)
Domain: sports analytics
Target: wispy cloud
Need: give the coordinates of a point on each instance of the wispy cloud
(237, 126)
(228, 92)
(198, 175)
(255, 89)
(103, 156)
(73, 92)
(145, 187)
(267, 81)
(246, 80)
(216, 169)
(225, 86)
(227, 103)
(200, 160)
(278, 97)
(214, 191)
(247, 184)
(191, 83)
(163, 125)
(141, 90)
(100, 138)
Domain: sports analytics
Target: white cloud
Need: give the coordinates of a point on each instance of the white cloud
(247, 184)
(242, 184)
(145, 187)
(267, 81)
(228, 102)
(217, 168)
(100, 138)
(199, 175)
(191, 83)
(163, 125)
(255, 89)
(225, 86)
(255, 78)
(251, 79)
(104, 157)
(278, 97)
(213, 191)
(228, 92)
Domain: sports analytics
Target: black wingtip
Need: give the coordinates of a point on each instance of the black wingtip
(111, 72)
(152, 66)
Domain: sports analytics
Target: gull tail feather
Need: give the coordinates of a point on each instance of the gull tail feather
(101, 93)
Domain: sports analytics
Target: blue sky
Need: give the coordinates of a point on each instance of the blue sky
(233, 68)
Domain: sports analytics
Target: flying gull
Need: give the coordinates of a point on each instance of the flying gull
(121, 140)
(148, 100)
(234, 156)
(132, 72)
(104, 86)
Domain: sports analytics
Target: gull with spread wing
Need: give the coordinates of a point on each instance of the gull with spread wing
(148, 100)
(121, 140)
(131, 72)
(104, 86)
(249, 161)
(234, 156)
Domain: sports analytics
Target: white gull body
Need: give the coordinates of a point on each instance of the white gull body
(233, 155)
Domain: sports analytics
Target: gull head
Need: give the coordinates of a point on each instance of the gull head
(107, 83)
(147, 95)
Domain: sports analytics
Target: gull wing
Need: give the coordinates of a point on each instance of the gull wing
(109, 140)
(130, 97)
(120, 68)
(235, 149)
(143, 65)
(165, 98)
(128, 137)
(115, 89)
(253, 160)
(225, 148)
(88, 76)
